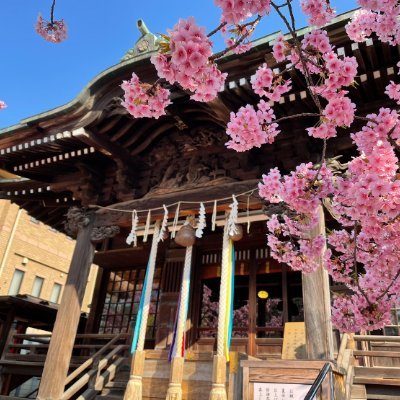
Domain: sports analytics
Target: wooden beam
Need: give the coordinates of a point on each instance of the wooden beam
(104, 145)
(317, 306)
(66, 325)
(6, 330)
(107, 217)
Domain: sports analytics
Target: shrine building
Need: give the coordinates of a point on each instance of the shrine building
(84, 167)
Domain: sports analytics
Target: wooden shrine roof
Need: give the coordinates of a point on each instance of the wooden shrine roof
(91, 151)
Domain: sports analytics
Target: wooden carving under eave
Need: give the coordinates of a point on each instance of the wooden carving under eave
(192, 158)
(77, 218)
(124, 188)
(89, 188)
(99, 233)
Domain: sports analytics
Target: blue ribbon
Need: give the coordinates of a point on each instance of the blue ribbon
(140, 312)
(231, 299)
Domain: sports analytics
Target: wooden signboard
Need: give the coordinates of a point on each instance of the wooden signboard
(281, 379)
(294, 341)
(280, 391)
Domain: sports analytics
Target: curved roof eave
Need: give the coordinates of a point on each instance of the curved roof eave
(82, 100)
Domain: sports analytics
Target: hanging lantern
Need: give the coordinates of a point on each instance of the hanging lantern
(237, 233)
(186, 236)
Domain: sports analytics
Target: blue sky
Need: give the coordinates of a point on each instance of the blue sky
(36, 76)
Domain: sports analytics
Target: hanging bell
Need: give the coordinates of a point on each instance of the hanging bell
(237, 234)
(186, 236)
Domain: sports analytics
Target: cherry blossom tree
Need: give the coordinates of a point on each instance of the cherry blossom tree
(364, 253)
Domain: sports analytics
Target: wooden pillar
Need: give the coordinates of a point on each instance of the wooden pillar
(252, 321)
(5, 330)
(317, 306)
(285, 299)
(68, 315)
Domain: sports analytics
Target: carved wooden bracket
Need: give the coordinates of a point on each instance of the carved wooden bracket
(77, 218)
(99, 233)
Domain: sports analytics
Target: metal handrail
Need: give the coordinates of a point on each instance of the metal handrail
(28, 396)
(318, 382)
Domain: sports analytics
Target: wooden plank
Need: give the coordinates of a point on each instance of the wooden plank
(377, 372)
(317, 305)
(294, 341)
(6, 330)
(372, 353)
(376, 381)
(283, 364)
(283, 375)
(92, 359)
(63, 337)
(93, 373)
(107, 217)
(377, 338)
(358, 392)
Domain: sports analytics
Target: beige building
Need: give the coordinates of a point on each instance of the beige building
(34, 259)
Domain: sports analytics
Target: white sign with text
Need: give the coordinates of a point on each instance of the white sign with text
(280, 391)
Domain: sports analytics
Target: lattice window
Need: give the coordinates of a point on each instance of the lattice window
(124, 290)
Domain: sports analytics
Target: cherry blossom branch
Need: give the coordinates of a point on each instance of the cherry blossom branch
(292, 31)
(391, 284)
(355, 251)
(240, 41)
(391, 140)
(302, 115)
(218, 28)
(356, 277)
(52, 12)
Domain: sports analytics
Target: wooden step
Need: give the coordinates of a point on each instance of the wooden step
(383, 392)
(358, 392)
(384, 396)
(116, 385)
(377, 375)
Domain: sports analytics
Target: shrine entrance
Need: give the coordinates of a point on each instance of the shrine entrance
(266, 296)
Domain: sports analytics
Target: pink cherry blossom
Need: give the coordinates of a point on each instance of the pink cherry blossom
(249, 128)
(319, 12)
(279, 48)
(340, 111)
(186, 61)
(318, 40)
(2, 105)
(234, 11)
(393, 89)
(380, 17)
(266, 83)
(323, 131)
(144, 100)
(55, 32)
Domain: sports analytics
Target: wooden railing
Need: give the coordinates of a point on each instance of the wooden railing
(369, 359)
(95, 370)
(94, 360)
(377, 351)
(345, 363)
